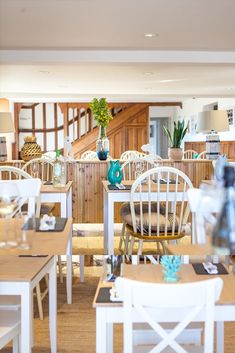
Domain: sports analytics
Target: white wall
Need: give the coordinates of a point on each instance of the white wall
(191, 108)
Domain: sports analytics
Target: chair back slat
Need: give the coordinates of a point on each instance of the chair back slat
(189, 154)
(166, 210)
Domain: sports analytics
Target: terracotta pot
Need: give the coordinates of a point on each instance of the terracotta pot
(175, 154)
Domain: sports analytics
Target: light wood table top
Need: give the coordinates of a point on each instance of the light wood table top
(21, 269)
(43, 243)
(154, 274)
(154, 187)
(46, 189)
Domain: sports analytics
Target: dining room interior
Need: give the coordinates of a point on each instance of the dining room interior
(117, 176)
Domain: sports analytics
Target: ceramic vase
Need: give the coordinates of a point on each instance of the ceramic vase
(102, 144)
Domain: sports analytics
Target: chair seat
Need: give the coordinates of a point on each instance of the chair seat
(126, 215)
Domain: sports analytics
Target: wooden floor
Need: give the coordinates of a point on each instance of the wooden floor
(89, 239)
(76, 322)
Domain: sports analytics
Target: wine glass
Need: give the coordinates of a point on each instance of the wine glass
(25, 222)
(34, 169)
(9, 200)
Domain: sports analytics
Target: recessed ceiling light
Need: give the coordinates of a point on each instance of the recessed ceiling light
(148, 88)
(151, 35)
(148, 73)
(45, 72)
(165, 81)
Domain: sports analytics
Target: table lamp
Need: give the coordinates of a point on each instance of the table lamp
(6, 126)
(212, 122)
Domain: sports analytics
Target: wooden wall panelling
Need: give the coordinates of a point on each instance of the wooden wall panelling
(226, 147)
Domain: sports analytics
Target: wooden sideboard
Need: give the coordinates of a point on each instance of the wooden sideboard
(87, 179)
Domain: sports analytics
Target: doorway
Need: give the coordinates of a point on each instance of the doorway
(158, 139)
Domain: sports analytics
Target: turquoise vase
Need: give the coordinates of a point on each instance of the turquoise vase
(115, 173)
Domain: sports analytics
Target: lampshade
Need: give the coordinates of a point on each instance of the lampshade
(216, 120)
(6, 123)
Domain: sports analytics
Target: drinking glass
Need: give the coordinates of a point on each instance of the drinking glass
(35, 169)
(25, 223)
(9, 199)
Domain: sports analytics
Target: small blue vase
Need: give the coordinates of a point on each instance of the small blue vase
(115, 173)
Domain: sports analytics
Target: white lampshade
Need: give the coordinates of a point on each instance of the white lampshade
(6, 123)
(216, 120)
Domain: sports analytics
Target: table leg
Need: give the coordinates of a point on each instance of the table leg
(53, 306)
(69, 204)
(69, 265)
(104, 333)
(26, 319)
(108, 224)
(63, 206)
(219, 337)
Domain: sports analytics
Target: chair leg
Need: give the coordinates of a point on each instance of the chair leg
(39, 300)
(60, 269)
(140, 247)
(131, 246)
(81, 258)
(122, 236)
(15, 344)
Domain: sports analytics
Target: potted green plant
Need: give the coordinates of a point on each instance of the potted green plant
(102, 116)
(175, 152)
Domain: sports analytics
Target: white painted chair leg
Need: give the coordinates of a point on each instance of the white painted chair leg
(81, 259)
(140, 247)
(39, 300)
(131, 246)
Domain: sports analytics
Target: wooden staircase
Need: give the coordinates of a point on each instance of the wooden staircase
(127, 130)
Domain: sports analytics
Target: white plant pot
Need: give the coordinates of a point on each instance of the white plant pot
(175, 154)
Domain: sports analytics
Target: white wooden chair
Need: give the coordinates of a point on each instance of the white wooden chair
(132, 168)
(12, 173)
(29, 191)
(40, 168)
(165, 215)
(10, 329)
(89, 156)
(181, 304)
(189, 154)
(125, 156)
(202, 155)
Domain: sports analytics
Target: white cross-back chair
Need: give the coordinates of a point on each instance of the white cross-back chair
(131, 169)
(202, 155)
(164, 216)
(10, 329)
(89, 155)
(189, 154)
(40, 168)
(125, 156)
(155, 303)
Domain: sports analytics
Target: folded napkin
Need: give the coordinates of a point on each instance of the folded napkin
(47, 223)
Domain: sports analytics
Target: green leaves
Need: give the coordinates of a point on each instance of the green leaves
(178, 133)
(101, 112)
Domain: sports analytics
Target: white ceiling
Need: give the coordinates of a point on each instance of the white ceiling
(200, 32)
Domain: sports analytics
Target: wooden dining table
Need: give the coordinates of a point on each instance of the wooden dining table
(109, 313)
(19, 275)
(43, 243)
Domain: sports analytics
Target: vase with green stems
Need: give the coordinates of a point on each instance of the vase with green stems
(102, 116)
